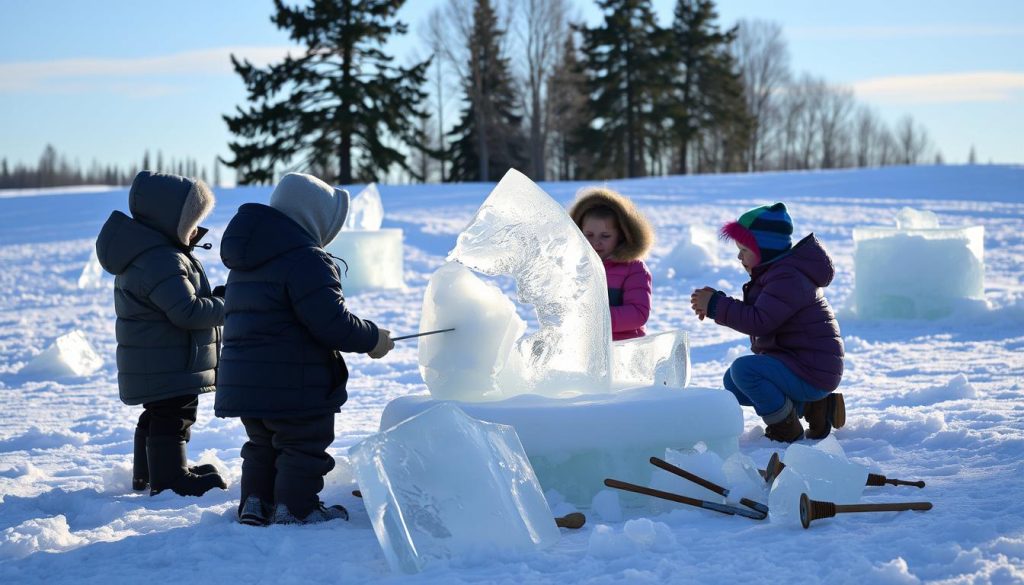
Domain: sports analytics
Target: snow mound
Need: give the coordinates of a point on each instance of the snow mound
(37, 438)
(69, 355)
(958, 388)
(38, 535)
(696, 251)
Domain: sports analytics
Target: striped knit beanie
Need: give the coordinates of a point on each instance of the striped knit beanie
(766, 230)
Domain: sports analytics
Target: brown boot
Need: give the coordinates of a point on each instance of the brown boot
(787, 430)
(824, 415)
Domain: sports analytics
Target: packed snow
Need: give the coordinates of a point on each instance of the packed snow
(935, 399)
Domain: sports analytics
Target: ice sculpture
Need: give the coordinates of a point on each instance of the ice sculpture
(372, 256)
(917, 269)
(463, 364)
(69, 355)
(661, 359)
(696, 251)
(520, 231)
(574, 443)
(829, 474)
(441, 484)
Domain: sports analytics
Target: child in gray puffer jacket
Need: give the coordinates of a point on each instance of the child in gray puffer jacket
(168, 325)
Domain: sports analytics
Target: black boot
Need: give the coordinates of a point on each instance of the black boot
(168, 469)
(140, 464)
(787, 430)
(824, 415)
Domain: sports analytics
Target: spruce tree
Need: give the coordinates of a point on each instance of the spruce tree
(341, 102)
(488, 139)
(708, 89)
(567, 96)
(625, 63)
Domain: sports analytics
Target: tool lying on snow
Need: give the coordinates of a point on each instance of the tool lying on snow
(750, 508)
(775, 467)
(811, 510)
(421, 334)
(573, 520)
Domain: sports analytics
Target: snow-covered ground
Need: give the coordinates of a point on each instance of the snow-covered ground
(939, 401)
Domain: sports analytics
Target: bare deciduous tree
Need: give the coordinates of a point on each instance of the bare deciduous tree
(911, 139)
(837, 104)
(763, 58)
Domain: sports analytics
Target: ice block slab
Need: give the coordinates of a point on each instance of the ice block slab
(374, 259)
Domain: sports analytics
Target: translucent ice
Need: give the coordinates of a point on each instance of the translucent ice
(442, 484)
(575, 443)
(829, 474)
(784, 498)
(373, 258)
(662, 359)
(917, 270)
(93, 275)
(365, 212)
(696, 251)
(706, 464)
(463, 364)
(520, 231)
(69, 355)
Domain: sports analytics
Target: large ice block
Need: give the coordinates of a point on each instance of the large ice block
(69, 355)
(374, 258)
(520, 231)
(920, 271)
(365, 211)
(575, 443)
(661, 359)
(441, 484)
(829, 474)
(464, 364)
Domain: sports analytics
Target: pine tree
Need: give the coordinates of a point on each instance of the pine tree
(972, 156)
(341, 100)
(488, 139)
(568, 105)
(708, 89)
(624, 59)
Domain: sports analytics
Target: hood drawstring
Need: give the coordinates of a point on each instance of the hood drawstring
(339, 260)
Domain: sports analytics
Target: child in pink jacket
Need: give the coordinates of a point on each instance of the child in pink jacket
(622, 237)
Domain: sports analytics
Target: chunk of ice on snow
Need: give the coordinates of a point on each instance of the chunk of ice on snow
(784, 498)
(829, 474)
(464, 364)
(662, 359)
(916, 219)
(373, 259)
(520, 231)
(68, 355)
(442, 484)
(93, 275)
(365, 211)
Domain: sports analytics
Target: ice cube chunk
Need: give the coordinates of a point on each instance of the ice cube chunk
(372, 259)
(784, 498)
(522, 232)
(662, 359)
(93, 275)
(68, 355)
(917, 270)
(829, 474)
(365, 212)
(441, 485)
(463, 364)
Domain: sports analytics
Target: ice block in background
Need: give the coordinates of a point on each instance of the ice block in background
(661, 359)
(372, 256)
(441, 484)
(917, 269)
(464, 364)
(520, 231)
(365, 211)
(69, 355)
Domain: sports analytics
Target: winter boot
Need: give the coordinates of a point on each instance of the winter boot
(254, 512)
(319, 514)
(140, 464)
(168, 469)
(787, 430)
(824, 415)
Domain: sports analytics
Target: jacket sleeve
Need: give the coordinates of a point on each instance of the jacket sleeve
(316, 297)
(636, 300)
(172, 292)
(784, 293)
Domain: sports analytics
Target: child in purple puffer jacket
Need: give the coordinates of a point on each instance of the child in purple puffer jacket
(622, 237)
(797, 359)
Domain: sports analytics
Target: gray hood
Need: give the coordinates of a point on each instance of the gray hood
(313, 204)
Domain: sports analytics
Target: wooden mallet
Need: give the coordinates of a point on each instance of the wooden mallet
(811, 510)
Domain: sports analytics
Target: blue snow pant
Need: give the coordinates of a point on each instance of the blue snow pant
(770, 387)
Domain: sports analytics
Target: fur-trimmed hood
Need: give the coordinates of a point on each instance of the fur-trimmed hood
(638, 235)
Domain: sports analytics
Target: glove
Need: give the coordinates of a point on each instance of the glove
(384, 344)
(218, 291)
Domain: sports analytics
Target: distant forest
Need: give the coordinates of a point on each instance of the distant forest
(518, 83)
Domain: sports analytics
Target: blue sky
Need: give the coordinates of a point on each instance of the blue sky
(107, 80)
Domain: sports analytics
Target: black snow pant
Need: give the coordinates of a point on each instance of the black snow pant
(285, 460)
(171, 417)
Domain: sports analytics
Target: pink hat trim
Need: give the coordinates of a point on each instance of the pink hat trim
(734, 230)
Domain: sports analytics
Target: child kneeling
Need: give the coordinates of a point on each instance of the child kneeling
(794, 335)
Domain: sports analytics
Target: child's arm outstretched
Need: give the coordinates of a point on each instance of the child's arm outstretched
(783, 295)
(636, 300)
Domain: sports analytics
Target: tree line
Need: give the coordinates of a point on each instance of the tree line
(55, 170)
(541, 92)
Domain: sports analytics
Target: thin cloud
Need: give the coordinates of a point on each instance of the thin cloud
(136, 76)
(981, 86)
(934, 31)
